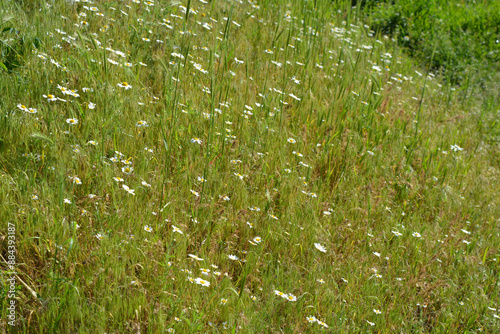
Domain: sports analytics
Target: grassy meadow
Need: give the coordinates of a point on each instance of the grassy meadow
(232, 166)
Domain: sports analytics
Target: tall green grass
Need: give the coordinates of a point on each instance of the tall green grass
(285, 172)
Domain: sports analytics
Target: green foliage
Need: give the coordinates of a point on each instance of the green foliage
(12, 49)
(14, 44)
(464, 36)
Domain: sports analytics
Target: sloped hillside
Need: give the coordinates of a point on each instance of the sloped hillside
(237, 166)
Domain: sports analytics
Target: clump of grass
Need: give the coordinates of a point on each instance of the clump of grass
(244, 167)
(461, 37)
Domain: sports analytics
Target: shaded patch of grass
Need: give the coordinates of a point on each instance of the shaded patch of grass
(463, 35)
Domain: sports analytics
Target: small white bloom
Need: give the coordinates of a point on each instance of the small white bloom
(130, 191)
(176, 229)
(76, 180)
(320, 248)
(311, 319)
(195, 257)
(281, 294)
(127, 169)
(322, 324)
(124, 85)
(202, 282)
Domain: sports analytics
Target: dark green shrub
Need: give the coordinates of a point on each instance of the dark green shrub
(463, 35)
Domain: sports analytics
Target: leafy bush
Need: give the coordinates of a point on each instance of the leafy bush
(13, 45)
(463, 35)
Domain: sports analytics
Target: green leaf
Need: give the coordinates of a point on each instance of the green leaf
(70, 246)
(37, 42)
(485, 254)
